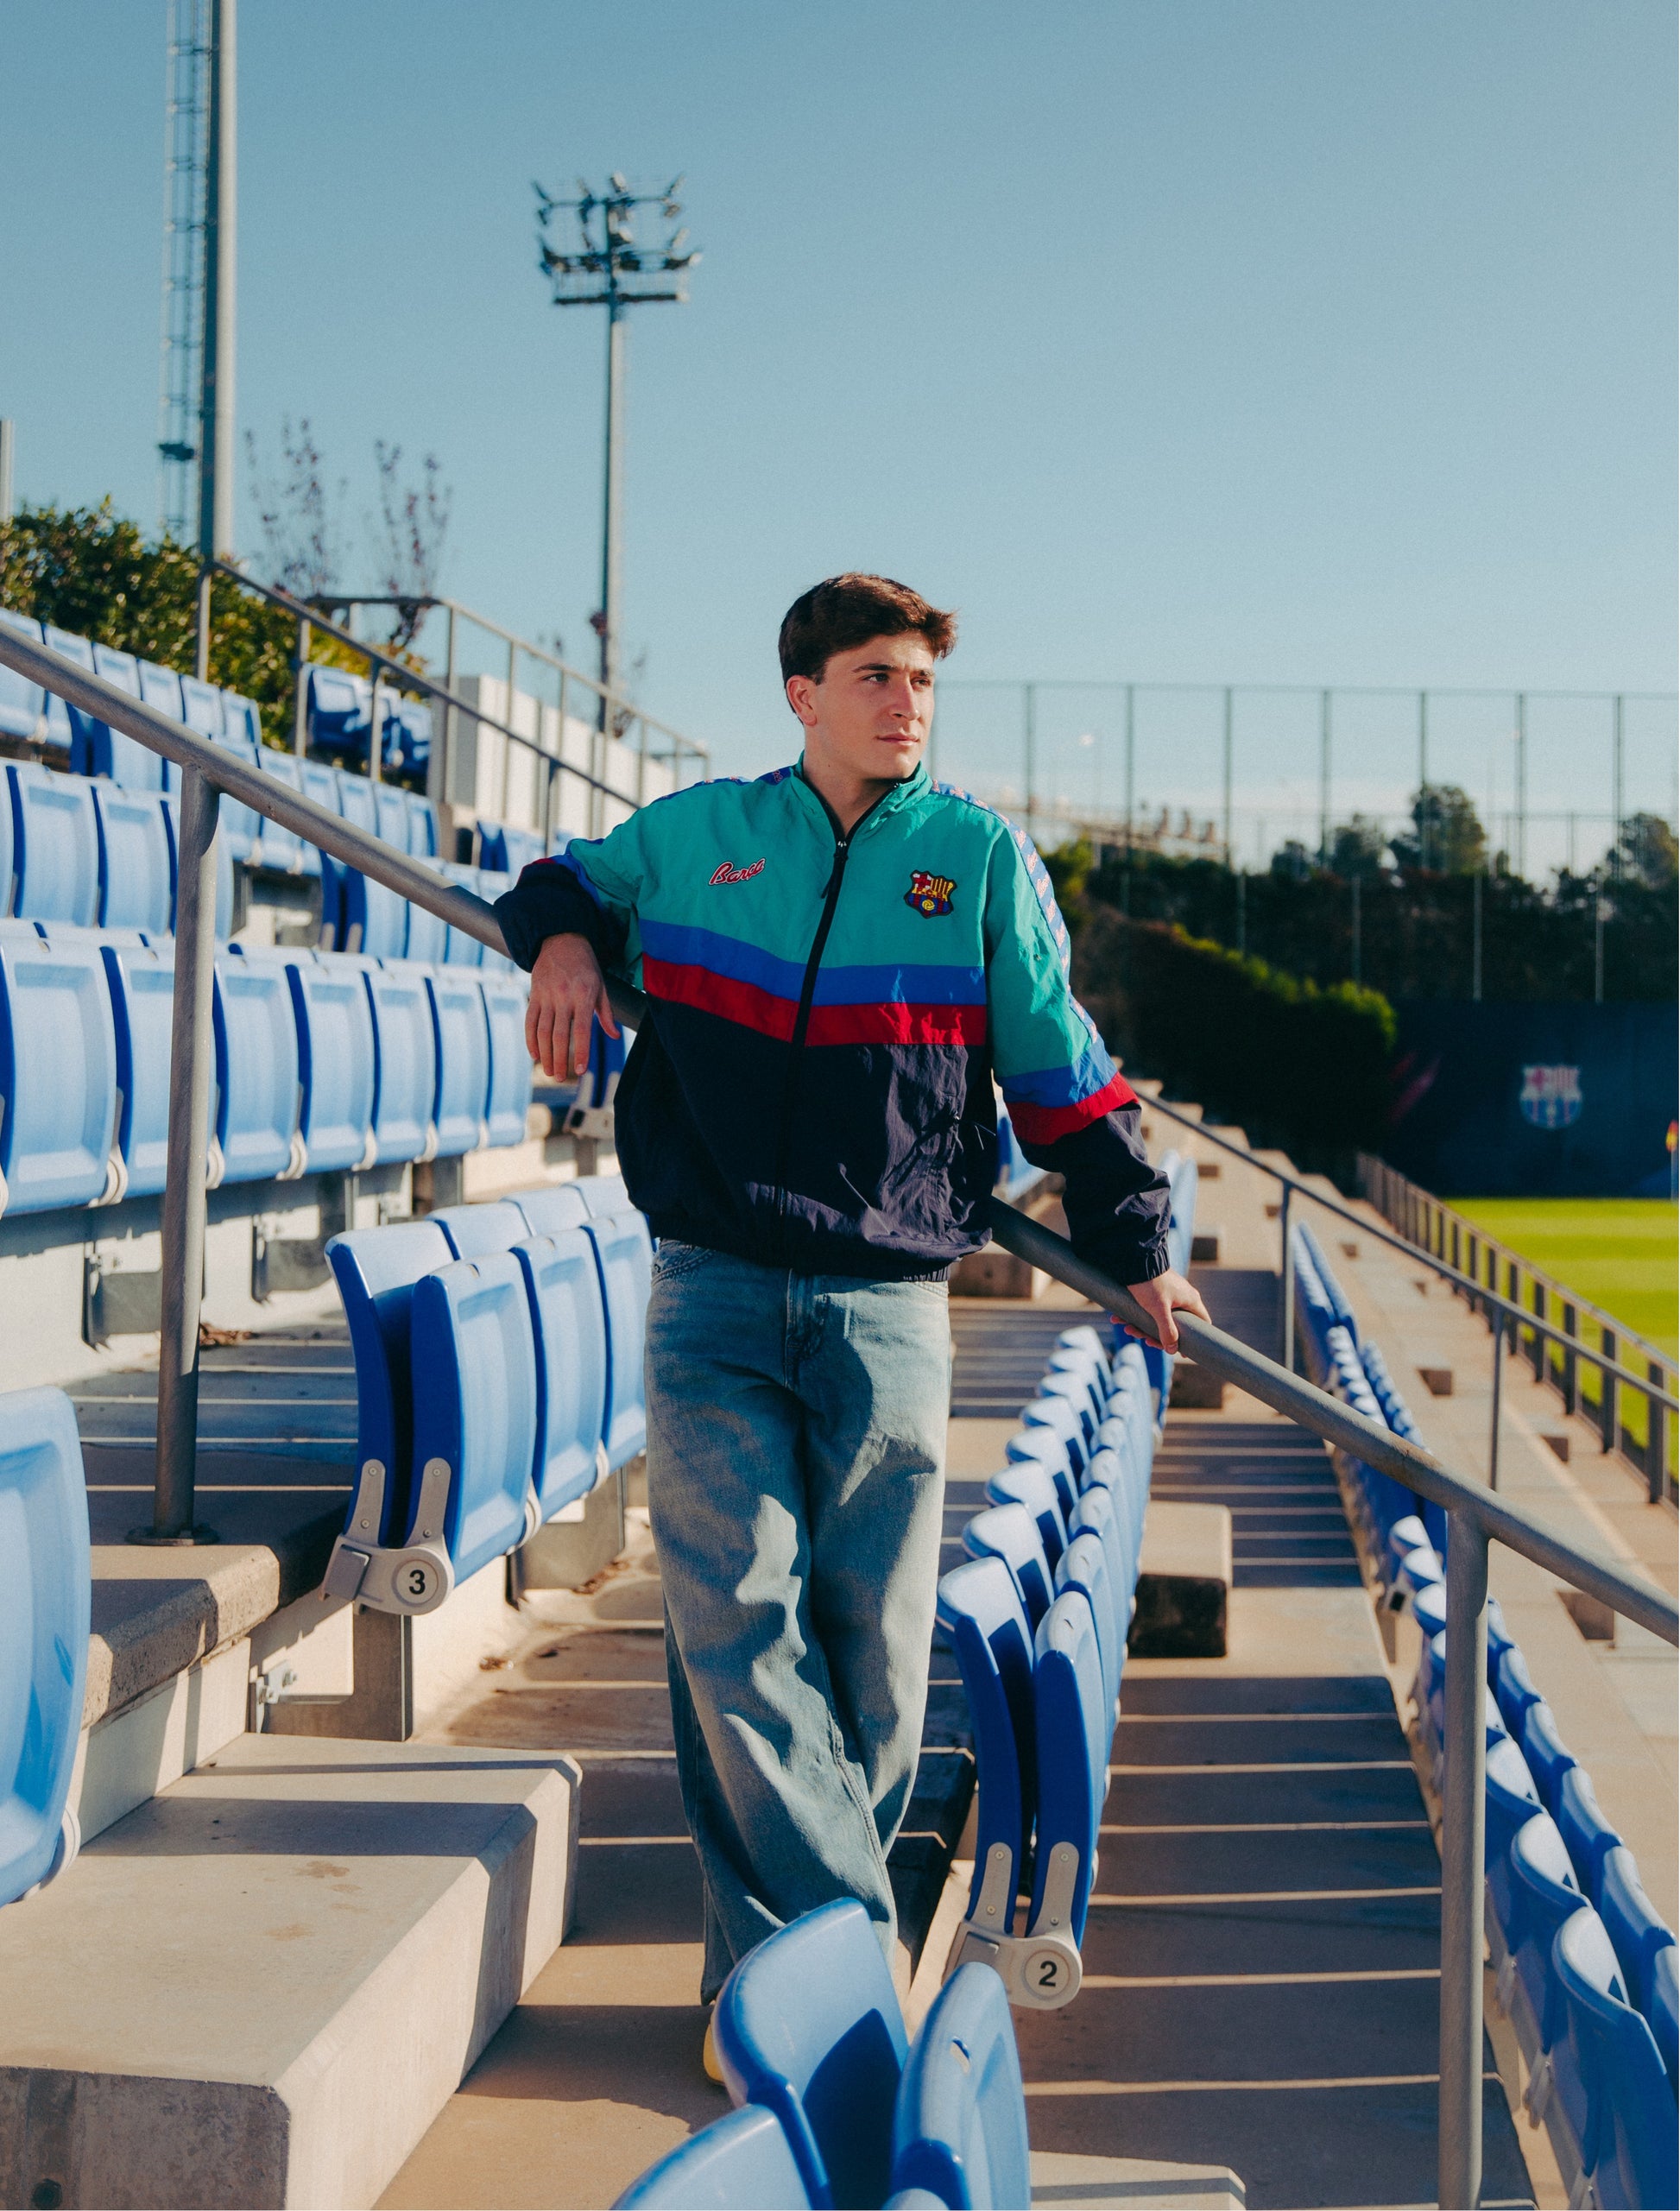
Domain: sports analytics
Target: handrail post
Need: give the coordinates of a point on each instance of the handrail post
(1463, 1842)
(1656, 1438)
(375, 744)
(1499, 1369)
(1288, 1270)
(301, 705)
(1569, 1383)
(1609, 1410)
(201, 626)
(445, 780)
(183, 1221)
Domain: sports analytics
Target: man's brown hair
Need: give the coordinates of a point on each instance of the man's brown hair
(846, 611)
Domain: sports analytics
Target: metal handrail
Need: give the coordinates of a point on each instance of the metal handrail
(1479, 1515)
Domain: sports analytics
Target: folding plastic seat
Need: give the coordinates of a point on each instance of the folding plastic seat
(21, 704)
(408, 735)
(463, 1059)
(359, 915)
(1085, 1566)
(624, 1254)
(277, 848)
(475, 1231)
(1044, 1448)
(54, 845)
(980, 1614)
(202, 710)
(742, 2163)
(319, 782)
(550, 1210)
(1084, 1337)
(97, 749)
(509, 1095)
(224, 867)
(1498, 1640)
(58, 1074)
(1076, 1391)
(604, 1195)
(390, 811)
(1025, 1482)
(59, 734)
(141, 982)
(474, 1366)
(1087, 1367)
(1545, 1753)
(1588, 1836)
(959, 2122)
(46, 1581)
(241, 825)
(255, 1031)
(424, 842)
(1632, 1923)
(405, 1060)
(1512, 1801)
(376, 1270)
(563, 1283)
(1627, 2143)
(808, 2026)
(1097, 1515)
(1073, 1726)
(1062, 1419)
(460, 949)
(1544, 1893)
(1665, 2012)
(160, 687)
(135, 860)
(429, 935)
(336, 1066)
(1514, 1688)
(1128, 1488)
(490, 886)
(337, 710)
(1009, 1534)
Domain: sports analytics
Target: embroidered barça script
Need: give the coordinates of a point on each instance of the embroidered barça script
(929, 895)
(728, 874)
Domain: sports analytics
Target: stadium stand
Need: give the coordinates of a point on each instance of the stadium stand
(742, 2163)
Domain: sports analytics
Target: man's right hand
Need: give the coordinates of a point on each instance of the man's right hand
(567, 991)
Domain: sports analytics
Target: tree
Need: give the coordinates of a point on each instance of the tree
(414, 523)
(1292, 861)
(1069, 868)
(300, 522)
(1645, 851)
(1446, 837)
(1357, 848)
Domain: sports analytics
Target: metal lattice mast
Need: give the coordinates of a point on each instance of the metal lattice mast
(185, 179)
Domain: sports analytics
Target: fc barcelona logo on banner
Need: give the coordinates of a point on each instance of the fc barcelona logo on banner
(1550, 1096)
(929, 895)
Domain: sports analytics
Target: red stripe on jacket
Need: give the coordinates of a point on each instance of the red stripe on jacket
(762, 1010)
(1045, 1124)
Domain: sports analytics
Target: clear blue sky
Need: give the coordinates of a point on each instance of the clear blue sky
(1318, 341)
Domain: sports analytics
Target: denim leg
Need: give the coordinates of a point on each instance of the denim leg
(795, 1441)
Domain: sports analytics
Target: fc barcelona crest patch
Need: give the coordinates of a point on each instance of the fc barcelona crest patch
(929, 895)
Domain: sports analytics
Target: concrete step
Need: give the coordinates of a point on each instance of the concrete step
(262, 1987)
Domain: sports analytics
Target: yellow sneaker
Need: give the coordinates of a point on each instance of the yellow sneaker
(713, 2070)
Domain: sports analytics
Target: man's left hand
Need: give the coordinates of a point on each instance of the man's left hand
(1160, 1298)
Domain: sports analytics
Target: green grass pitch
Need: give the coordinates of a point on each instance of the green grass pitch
(1620, 1253)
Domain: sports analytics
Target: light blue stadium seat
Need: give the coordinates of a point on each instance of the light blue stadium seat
(980, 1614)
(46, 1582)
(959, 2121)
(160, 687)
(1027, 1483)
(224, 867)
(336, 1066)
(137, 860)
(21, 704)
(475, 1231)
(1632, 1923)
(256, 1069)
(1514, 1688)
(141, 982)
(54, 845)
(1070, 1712)
(376, 1270)
(511, 1069)
(202, 709)
(1544, 1753)
(405, 1060)
(461, 950)
(1063, 1419)
(553, 1208)
(1588, 1836)
(1544, 1893)
(475, 1382)
(563, 1283)
(424, 842)
(97, 749)
(624, 1254)
(337, 710)
(1043, 1447)
(1626, 2140)
(604, 1195)
(1107, 1513)
(808, 2026)
(463, 1059)
(361, 915)
(320, 783)
(390, 807)
(59, 734)
(1009, 1534)
(1075, 1390)
(742, 2162)
(1085, 1566)
(490, 886)
(428, 934)
(58, 1073)
(275, 847)
(241, 825)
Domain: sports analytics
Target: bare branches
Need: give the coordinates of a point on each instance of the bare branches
(414, 524)
(301, 523)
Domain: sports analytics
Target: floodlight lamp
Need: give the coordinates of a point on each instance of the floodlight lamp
(676, 185)
(617, 182)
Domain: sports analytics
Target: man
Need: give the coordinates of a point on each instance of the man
(839, 957)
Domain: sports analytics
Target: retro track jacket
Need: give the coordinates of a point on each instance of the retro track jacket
(812, 1088)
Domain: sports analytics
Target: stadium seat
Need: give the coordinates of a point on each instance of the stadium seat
(1075, 1390)
(742, 2163)
(160, 687)
(463, 1059)
(241, 825)
(202, 709)
(1512, 1801)
(408, 736)
(959, 2121)
(58, 1074)
(21, 704)
(358, 915)
(475, 1231)
(1588, 1836)
(337, 710)
(424, 842)
(429, 935)
(1102, 1512)
(511, 1072)
(319, 782)
(405, 1060)
(376, 1270)
(461, 950)
(54, 845)
(1626, 2137)
(141, 982)
(1085, 1566)
(97, 749)
(604, 1195)
(980, 1614)
(475, 1382)
(553, 1208)
(135, 860)
(1070, 1712)
(1632, 1923)
(809, 2027)
(60, 733)
(563, 1283)
(1009, 1533)
(224, 867)
(1544, 1893)
(276, 848)
(45, 1599)
(490, 886)
(624, 1254)
(390, 808)
(1663, 2010)
(1514, 1688)
(1063, 1420)
(1543, 1751)
(1025, 1481)
(1043, 1447)
(256, 1070)
(336, 1067)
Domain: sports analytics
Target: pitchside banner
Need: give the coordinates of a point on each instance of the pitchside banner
(1514, 1101)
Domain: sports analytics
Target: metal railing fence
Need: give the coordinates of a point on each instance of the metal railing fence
(1553, 1327)
(1478, 1516)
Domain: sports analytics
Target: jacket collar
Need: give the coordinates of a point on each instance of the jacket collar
(916, 785)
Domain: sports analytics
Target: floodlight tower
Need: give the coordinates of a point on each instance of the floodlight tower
(608, 268)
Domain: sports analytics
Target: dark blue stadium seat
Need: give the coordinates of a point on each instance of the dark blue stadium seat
(1074, 1390)
(1063, 1420)
(336, 1066)
(475, 1231)
(337, 710)
(59, 734)
(1632, 1923)
(1543, 1750)
(463, 1059)
(135, 860)
(808, 2026)
(1610, 2071)
(405, 1060)
(741, 2163)
(376, 1270)
(256, 1069)
(46, 1582)
(141, 982)
(275, 847)
(474, 1366)
(1588, 1836)
(1544, 1893)
(1070, 1712)
(58, 1073)
(509, 1098)
(563, 1283)
(1009, 1534)
(1027, 1483)
(959, 2120)
(1514, 1688)
(22, 703)
(97, 749)
(981, 1616)
(1512, 1801)
(54, 845)
(1085, 1566)
(553, 1208)
(408, 736)
(1664, 2012)
(624, 1254)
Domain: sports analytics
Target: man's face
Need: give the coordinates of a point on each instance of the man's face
(871, 713)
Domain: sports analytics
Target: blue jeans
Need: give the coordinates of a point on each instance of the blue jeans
(796, 1446)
